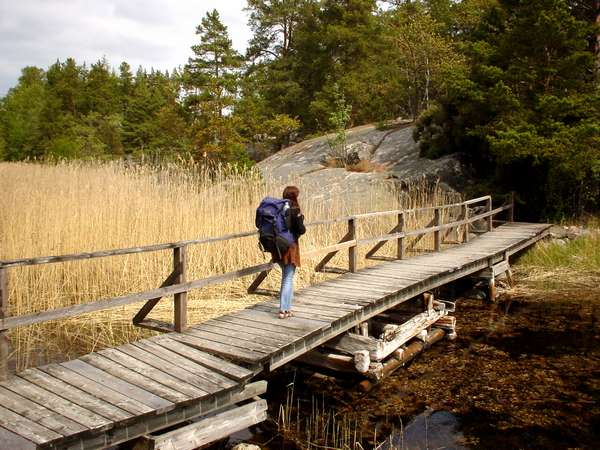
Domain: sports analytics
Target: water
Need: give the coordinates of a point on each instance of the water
(522, 374)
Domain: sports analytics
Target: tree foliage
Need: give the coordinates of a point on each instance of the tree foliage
(526, 115)
(511, 85)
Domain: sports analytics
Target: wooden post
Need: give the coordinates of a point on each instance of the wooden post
(465, 215)
(179, 267)
(352, 256)
(437, 235)
(400, 249)
(490, 227)
(511, 211)
(4, 341)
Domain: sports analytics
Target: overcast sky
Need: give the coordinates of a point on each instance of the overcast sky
(151, 33)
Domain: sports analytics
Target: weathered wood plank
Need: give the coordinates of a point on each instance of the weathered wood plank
(119, 384)
(13, 441)
(242, 335)
(50, 400)
(209, 361)
(168, 366)
(211, 429)
(77, 396)
(215, 348)
(232, 341)
(134, 377)
(39, 414)
(25, 428)
(200, 371)
(126, 403)
(148, 370)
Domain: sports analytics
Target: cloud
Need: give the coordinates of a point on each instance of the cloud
(150, 33)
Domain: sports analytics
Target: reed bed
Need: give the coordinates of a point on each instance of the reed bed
(72, 207)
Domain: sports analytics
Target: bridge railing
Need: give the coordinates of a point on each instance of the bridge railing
(177, 286)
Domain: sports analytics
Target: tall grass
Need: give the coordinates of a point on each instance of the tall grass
(86, 206)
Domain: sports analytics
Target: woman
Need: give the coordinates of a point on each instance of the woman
(291, 258)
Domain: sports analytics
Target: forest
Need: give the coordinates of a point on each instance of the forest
(510, 85)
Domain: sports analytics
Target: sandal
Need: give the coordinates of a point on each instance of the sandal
(282, 315)
(288, 314)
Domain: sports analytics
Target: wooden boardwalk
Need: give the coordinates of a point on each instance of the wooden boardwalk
(121, 393)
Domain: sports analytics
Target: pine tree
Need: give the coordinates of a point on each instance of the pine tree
(211, 80)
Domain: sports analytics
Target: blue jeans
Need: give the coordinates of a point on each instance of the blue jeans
(286, 294)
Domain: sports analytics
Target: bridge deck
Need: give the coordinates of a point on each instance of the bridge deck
(117, 394)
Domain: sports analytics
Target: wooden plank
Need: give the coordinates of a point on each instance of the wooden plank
(134, 377)
(218, 365)
(319, 301)
(148, 369)
(304, 311)
(200, 371)
(25, 428)
(346, 295)
(39, 414)
(215, 348)
(242, 335)
(169, 367)
(13, 441)
(358, 299)
(210, 429)
(274, 337)
(98, 305)
(291, 323)
(77, 396)
(126, 403)
(4, 310)
(119, 384)
(50, 400)
(299, 312)
(121, 251)
(259, 326)
(232, 341)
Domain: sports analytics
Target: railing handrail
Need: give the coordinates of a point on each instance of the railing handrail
(171, 245)
(7, 323)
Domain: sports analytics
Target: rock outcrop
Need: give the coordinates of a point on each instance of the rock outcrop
(389, 155)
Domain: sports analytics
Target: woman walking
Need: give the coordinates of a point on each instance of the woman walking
(290, 259)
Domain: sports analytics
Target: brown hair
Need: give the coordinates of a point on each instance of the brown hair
(291, 193)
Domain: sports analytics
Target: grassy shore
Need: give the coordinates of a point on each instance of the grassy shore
(86, 206)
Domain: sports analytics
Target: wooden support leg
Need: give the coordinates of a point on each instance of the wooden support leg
(180, 307)
(437, 234)
(400, 245)
(4, 341)
(466, 216)
(492, 288)
(352, 253)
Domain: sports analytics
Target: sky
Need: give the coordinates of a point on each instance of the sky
(152, 33)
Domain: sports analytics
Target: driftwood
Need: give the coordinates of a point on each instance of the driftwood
(379, 370)
(331, 361)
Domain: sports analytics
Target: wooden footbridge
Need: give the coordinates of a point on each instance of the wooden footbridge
(203, 377)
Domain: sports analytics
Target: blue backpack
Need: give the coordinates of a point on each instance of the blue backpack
(273, 223)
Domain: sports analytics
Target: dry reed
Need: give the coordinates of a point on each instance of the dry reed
(84, 206)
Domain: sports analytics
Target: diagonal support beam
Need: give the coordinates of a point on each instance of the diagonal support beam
(253, 288)
(150, 304)
(378, 246)
(329, 256)
(421, 236)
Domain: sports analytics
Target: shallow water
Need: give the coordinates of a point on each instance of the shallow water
(524, 373)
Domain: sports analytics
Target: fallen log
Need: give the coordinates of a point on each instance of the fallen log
(379, 370)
